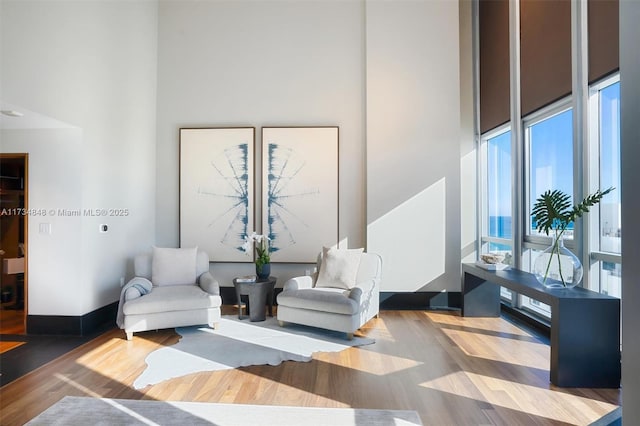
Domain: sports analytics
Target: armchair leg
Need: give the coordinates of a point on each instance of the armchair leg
(214, 325)
(349, 336)
(129, 335)
(281, 323)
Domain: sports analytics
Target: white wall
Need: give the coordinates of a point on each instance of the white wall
(395, 79)
(92, 65)
(413, 143)
(630, 152)
(55, 165)
(468, 160)
(230, 63)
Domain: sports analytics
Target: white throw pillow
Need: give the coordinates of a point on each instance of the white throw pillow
(339, 268)
(174, 266)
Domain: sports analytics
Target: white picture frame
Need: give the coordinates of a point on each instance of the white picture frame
(300, 200)
(217, 190)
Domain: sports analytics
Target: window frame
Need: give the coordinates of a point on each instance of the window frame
(530, 241)
(596, 254)
(505, 294)
(583, 144)
(484, 187)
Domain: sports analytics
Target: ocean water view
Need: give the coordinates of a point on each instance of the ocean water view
(500, 226)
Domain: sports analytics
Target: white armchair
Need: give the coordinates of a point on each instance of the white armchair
(342, 307)
(180, 291)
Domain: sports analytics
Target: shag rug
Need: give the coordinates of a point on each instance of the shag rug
(240, 343)
(81, 411)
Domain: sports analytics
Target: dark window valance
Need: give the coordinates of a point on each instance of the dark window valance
(603, 38)
(545, 52)
(494, 63)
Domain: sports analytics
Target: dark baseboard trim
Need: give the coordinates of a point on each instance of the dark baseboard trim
(420, 300)
(105, 316)
(538, 324)
(388, 300)
(67, 325)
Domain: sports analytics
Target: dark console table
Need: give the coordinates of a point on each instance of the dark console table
(585, 325)
(257, 293)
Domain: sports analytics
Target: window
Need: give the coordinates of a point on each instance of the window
(605, 224)
(539, 148)
(496, 229)
(609, 112)
(548, 137)
(610, 278)
(549, 141)
(499, 185)
(497, 207)
(529, 257)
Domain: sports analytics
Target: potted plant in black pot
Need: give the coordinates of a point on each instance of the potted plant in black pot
(262, 245)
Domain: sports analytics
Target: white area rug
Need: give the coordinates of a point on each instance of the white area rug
(73, 410)
(239, 343)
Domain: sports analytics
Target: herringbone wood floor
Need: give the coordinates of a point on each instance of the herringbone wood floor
(451, 370)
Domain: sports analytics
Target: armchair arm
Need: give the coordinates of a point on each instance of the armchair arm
(136, 287)
(298, 283)
(209, 284)
(131, 293)
(361, 289)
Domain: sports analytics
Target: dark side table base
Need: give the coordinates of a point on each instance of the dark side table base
(259, 295)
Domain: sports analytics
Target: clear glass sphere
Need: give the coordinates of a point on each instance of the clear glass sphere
(558, 267)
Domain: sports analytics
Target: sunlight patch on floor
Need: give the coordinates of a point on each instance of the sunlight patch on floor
(377, 329)
(502, 349)
(557, 405)
(498, 325)
(6, 346)
(367, 361)
(107, 359)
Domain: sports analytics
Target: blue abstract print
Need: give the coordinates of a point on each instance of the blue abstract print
(283, 168)
(233, 169)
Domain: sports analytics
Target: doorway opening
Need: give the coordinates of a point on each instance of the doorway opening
(14, 218)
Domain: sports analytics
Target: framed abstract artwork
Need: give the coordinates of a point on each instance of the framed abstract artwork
(217, 190)
(299, 191)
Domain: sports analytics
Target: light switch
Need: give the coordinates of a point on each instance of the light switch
(45, 228)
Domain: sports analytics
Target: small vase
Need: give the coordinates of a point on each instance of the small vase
(558, 267)
(263, 271)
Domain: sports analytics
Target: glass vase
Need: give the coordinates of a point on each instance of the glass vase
(557, 266)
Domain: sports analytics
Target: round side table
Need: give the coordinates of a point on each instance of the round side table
(257, 293)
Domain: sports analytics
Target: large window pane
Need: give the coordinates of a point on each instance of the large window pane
(497, 205)
(493, 247)
(499, 185)
(506, 294)
(529, 257)
(611, 278)
(610, 225)
(605, 171)
(550, 159)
